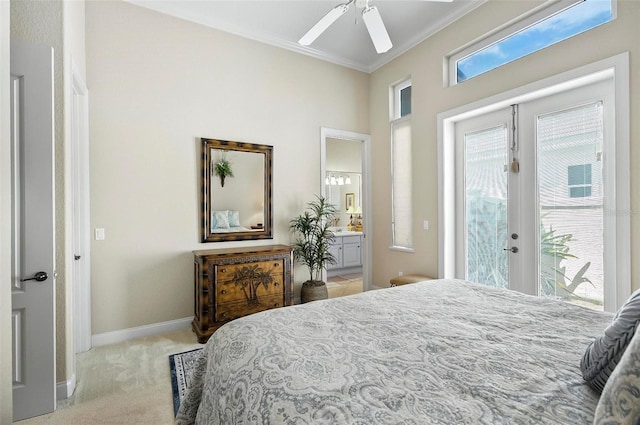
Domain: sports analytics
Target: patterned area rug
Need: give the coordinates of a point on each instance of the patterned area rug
(181, 365)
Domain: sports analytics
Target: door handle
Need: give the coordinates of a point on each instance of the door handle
(77, 257)
(513, 249)
(38, 277)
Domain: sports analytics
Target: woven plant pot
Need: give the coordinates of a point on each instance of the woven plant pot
(313, 290)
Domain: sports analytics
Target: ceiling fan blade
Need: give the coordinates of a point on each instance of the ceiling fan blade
(377, 30)
(323, 24)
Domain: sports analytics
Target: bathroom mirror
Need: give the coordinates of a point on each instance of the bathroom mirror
(236, 191)
(344, 190)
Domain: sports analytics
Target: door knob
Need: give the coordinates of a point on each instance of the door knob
(39, 277)
(513, 249)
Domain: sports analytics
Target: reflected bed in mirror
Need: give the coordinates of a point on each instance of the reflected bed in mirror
(236, 191)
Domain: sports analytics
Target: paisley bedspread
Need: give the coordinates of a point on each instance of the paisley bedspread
(436, 352)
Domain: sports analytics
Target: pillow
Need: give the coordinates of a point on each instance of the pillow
(620, 400)
(234, 218)
(604, 353)
(219, 220)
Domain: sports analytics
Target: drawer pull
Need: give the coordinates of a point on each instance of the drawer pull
(276, 284)
(224, 314)
(223, 270)
(276, 264)
(224, 291)
(276, 305)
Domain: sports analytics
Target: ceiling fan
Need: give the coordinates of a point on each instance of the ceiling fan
(370, 16)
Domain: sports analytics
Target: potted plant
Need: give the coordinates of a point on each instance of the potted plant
(311, 246)
(222, 169)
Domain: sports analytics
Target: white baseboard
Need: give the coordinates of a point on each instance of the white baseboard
(65, 389)
(122, 335)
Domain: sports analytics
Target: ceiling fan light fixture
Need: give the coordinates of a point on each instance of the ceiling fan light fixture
(377, 30)
(323, 24)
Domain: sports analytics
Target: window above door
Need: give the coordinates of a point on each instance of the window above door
(542, 28)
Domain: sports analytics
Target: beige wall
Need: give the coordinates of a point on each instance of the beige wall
(157, 85)
(6, 381)
(424, 64)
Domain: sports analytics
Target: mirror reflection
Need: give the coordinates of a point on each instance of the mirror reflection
(343, 183)
(344, 190)
(236, 191)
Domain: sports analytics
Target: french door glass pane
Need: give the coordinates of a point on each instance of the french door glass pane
(486, 157)
(571, 205)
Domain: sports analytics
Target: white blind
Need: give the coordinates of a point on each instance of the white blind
(570, 141)
(402, 216)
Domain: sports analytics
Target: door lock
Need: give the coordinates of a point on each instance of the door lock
(38, 277)
(513, 249)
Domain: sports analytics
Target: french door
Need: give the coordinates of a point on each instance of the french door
(530, 180)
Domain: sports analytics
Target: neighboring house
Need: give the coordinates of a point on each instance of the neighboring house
(157, 84)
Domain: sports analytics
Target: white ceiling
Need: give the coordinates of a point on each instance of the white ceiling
(282, 22)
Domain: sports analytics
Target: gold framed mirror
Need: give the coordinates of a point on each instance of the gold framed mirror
(235, 191)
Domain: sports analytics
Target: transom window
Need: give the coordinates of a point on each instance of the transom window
(402, 99)
(553, 24)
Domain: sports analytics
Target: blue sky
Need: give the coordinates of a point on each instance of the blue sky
(572, 21)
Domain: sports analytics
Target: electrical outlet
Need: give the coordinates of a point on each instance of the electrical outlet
(425, 224)
(100, 234)
(400, 273)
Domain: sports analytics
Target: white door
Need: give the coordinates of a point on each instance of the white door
(571, 132)
(533, 196)
(33, 281)
(80, 210)
(483, 187)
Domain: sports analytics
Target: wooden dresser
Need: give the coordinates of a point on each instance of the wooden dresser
(235, 282)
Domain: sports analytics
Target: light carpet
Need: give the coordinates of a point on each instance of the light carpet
(126, 383)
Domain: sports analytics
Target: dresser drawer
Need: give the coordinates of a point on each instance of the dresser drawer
(229, 272)
(249, 289)
(234, 309)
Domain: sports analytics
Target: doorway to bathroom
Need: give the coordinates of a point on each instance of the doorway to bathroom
(344, 180)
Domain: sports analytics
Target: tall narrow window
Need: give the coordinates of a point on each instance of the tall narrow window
(401, 188)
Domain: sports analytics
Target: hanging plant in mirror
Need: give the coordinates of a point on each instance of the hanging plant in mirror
(222, 167)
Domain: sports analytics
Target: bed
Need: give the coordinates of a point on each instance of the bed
(435, 352)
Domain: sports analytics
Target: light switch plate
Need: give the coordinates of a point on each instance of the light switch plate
(99, 234)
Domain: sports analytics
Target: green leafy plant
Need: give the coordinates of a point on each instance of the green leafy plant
(222, 169)
(313, 237)
(554, 248)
